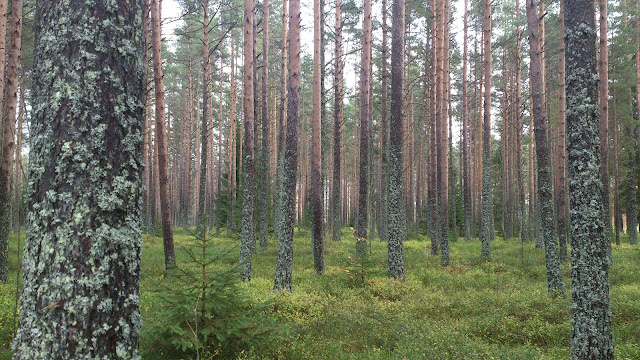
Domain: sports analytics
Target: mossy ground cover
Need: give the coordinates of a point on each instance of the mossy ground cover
(474, 309)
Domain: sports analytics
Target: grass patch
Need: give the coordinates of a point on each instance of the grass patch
(474, 309)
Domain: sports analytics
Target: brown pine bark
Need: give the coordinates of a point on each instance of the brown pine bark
(233, 98)
(563, 199)
(603, 98)
(206, 119)
(163, 176)
(466, 185)
(336, 223)
(266, 169)
(8, 127)
(443, 146)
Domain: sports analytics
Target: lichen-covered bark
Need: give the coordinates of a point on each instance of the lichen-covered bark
(545, 193)
(316, 168)
(363, 188)
(397, 214)
(284, 259)
(83, 239)
(487, 232)
(248, 230)
(603, 97)
(8, 128)
(591, 336)
(336, 222)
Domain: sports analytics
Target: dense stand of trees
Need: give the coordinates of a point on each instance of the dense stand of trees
(455, 143)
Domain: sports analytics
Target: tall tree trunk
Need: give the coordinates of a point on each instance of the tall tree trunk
(8, 126)
(443, 151)
(337, 125)
(487, 233)
(163, 176)
(545, 194)
(206, 116)
(248, 232)
(363, 188)
(468, 217)
(277, 214)
(519, 127)
(284, 259)
(233, 98)
(397, 211)
(591, 336)
(616, 182)
(219, 167)
(83, 239)
(266, 171)
(632, 210)
(316, 156)
(563, 199)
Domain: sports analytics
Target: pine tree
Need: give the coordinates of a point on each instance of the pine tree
(397, 211)
(487, 232)
(83, 238)
(591, 336)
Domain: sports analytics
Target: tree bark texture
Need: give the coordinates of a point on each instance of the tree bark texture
(487, 232)
(591, 336)
(316, 155)
(83, 238)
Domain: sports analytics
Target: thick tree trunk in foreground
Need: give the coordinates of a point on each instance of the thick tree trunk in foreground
(8, 126)
(206, 116)
(284, 259)
(282, 120)
(397, 211)
(591, 336)
(248, 231)
(545, 194)
(316, 166)
(165, 201)
(487, 232)
(82, 251)
(336, 222)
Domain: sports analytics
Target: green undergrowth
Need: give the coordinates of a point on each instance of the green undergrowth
(474, 309)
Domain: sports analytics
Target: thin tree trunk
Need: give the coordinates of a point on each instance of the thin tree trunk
(545, 194)
(468, 217)
(266, 171)
(206, 116)
(487, 194)
(316, 156)
(443, 152)
(337, 125)
(165, 201)
(8, 125)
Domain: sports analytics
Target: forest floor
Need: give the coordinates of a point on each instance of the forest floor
(474, 309)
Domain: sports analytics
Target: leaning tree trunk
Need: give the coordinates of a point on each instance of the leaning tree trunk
(8, 126)
(248, 231)
(83, 239)
(284, 259)
(545, 194)
(397, 212)
(591, 336)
